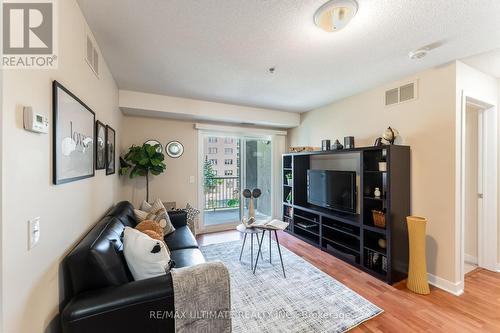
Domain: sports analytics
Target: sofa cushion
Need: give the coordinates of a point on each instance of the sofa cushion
(124, 211)
(181, 238)
(187, 257)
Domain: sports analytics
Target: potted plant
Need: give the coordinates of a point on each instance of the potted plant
(289, 180)
(142, 161)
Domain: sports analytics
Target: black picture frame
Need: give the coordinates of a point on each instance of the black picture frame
(110, 151)
(100, 151)
(77, 140)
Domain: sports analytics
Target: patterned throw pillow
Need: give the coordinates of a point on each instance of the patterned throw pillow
(157, 213)
(192, 213)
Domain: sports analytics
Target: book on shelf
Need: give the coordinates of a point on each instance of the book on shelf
(306, 225)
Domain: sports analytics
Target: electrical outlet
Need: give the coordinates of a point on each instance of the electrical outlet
(191, 179)
(33, 232)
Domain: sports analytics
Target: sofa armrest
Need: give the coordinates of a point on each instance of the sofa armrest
(139, 306)
(178, 218)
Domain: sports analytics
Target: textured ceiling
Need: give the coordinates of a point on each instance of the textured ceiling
(220, 50)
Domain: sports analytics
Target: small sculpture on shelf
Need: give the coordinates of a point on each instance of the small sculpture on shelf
(388, 137)
(337, 145)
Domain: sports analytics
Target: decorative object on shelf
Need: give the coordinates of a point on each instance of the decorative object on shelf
(174, 149)
(141, 161)
(300, 149)
(100, 145)
(110, 150)
(377, 192)
(378, 218)
(382, 166)
(289, 179)
(390, 135)
(155, 143)
(378, 142)
(289, 197)
(382, 243)
(337, 145)
(417, 271)
(349, 142)
(325, 145)
(73, 137)
(254, 194)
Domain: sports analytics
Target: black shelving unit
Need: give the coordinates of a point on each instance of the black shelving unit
(355, 238)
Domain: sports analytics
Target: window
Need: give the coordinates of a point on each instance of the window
(228, 140)
(213, 161)
(228, 172)
(212, 139)
(228, 162)
(228, 151)
(212, 150)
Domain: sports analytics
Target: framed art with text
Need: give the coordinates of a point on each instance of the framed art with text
(110, 150)
(73, 136)
(100, 145)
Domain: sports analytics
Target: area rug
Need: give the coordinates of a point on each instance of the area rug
(308, 300)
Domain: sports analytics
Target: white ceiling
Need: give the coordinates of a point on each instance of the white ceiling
(488, 62)
(220, 50)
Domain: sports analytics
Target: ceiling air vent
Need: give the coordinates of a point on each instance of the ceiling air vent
(91, 55)
(401, 94)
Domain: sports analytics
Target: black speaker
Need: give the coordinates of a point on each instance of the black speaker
(325, 145)
(348, 142)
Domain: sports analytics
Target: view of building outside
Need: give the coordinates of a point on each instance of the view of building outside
(221, 172)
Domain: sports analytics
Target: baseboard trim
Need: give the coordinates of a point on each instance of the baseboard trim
(497, 269)
(455, 288)
(470, 259)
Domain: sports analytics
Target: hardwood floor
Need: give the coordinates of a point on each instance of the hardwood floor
(477, 310)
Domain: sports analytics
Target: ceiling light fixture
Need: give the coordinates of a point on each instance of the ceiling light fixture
(418, 54)
(334, 15)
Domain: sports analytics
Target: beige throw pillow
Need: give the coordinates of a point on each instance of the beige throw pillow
(157, 213)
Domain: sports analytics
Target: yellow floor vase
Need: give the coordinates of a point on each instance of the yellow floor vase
(417, 272)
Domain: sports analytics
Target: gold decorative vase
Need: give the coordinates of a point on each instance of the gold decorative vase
(417, 272)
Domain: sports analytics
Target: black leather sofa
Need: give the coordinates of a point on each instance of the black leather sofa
(103, 296)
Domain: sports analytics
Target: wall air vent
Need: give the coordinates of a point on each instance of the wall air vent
(91, 54)
(404, 93)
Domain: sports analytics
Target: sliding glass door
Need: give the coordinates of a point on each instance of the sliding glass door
(232, 163)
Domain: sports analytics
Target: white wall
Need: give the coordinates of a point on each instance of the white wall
(428, 126)
(31, 279)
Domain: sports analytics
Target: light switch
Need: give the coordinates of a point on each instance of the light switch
(191, 179)
(33, 232)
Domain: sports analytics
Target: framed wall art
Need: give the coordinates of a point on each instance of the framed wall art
(100, 145)
(110, 150)
(73, 136)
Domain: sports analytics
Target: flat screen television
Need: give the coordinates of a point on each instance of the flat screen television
(335, 190)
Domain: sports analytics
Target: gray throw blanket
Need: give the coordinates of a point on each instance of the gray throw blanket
(202, 298)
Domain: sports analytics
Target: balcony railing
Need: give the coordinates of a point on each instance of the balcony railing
(222, 193)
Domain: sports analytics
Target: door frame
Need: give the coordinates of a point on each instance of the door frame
(204, 129)
(487, 183)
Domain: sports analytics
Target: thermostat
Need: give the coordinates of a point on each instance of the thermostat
(35, 122)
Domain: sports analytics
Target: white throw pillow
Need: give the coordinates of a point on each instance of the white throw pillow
(146, 257)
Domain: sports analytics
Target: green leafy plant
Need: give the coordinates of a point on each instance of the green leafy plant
(209, 175)
(142, 161)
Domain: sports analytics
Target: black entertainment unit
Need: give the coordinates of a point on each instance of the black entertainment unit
(354, 237)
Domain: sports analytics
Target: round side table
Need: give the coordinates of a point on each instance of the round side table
(252, 231)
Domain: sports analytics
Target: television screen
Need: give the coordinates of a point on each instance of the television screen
(332, 189)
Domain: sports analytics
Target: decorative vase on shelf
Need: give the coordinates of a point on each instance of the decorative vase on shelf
(417, 271)
(377, 193)
(382, 166)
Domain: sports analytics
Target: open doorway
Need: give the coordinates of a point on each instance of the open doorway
(473, 182)
(478, 186)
